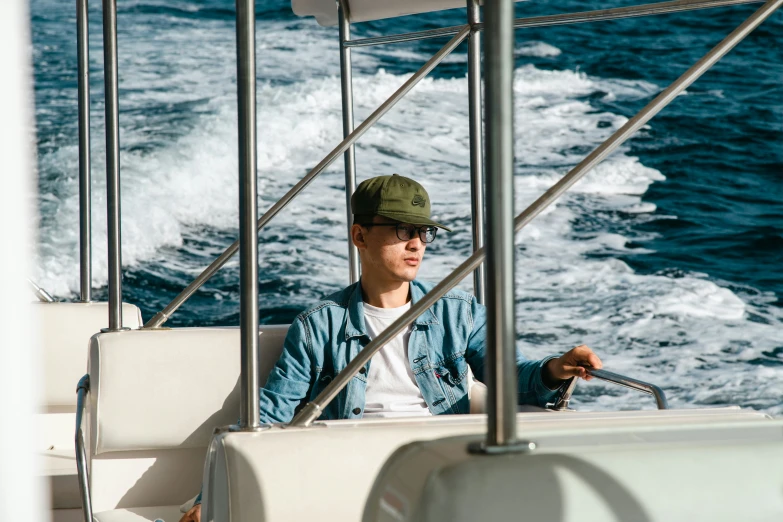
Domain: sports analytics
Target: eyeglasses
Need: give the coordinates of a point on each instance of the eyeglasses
(406, 231)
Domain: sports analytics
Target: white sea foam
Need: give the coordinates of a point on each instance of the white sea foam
(537, 49)
(688, 334)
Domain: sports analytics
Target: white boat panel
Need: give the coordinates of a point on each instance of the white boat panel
(145, 514)
(325, 11)
(67, 515)
(143, 478)
(266, 472)
(65, 330)
(59, 468)
(721, 472)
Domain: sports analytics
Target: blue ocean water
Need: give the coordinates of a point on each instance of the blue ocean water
(666, 259)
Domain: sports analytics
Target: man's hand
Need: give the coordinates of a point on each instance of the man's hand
(194, 515)
(570, 364)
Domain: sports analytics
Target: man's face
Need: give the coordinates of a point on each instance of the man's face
(385, 256)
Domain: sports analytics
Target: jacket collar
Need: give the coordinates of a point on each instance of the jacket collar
(354, 319)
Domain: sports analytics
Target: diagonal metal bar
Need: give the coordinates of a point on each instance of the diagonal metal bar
(616, 13)
(40, 293)
(314, 408)
(162, 316)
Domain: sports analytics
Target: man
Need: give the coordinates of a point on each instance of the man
(424, 370)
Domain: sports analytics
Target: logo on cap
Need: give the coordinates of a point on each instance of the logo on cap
(419, 201)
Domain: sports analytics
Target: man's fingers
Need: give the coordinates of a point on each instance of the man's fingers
(594, 361)
(575, 371)
(194, 515)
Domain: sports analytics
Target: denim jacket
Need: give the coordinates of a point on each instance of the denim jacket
(445, 340)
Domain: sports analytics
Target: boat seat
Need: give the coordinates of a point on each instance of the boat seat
(155, 398)
(65, 330)
(704, 471)
(267, 471)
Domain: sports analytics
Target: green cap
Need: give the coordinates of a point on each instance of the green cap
(394, 197)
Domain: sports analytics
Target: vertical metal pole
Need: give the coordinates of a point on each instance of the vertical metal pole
(112, 163)
(346, 82)
(502, 371)
(248, 213)
(85, 203)
(476, 143)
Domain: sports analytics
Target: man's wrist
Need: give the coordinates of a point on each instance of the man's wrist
(549, 380)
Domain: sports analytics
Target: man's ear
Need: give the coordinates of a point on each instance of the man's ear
(357, 236)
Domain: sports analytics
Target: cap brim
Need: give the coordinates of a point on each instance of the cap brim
(412, 219)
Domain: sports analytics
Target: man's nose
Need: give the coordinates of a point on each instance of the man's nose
(414, 244)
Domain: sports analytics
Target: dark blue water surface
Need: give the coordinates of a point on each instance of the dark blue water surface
(717, 216)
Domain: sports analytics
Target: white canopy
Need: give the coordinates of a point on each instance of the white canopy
(325, 11)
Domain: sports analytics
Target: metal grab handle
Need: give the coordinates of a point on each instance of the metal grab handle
(81, 456)
(634, 384)
(615, 378)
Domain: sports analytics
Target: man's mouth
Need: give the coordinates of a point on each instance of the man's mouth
(412, 261)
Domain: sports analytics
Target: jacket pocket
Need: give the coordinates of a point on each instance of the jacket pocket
(452, 376)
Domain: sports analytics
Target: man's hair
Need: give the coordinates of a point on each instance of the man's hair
(364, 220)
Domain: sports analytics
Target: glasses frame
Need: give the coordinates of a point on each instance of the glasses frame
(417, 229)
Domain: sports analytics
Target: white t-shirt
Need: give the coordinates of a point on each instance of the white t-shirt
(391, 387)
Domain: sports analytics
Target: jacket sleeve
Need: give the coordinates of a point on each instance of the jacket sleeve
(531, 389)
(290, 379)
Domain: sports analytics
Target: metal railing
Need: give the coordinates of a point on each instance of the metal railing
(346, 91)
(617, 13)
(459, 33)
(615, 378)
(313, 409)
(113, 199)
(82, 389)
(248, 213)
(85, 198)
(476, 130)
(162, 316)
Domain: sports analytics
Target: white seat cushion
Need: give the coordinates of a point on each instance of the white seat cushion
(142, 514)
(196, 371)
(65, 330)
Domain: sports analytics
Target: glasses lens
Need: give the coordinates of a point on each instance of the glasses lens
(405, 232)
(427, 234)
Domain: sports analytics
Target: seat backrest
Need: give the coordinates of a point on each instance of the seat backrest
(65, 330)
(155, 398)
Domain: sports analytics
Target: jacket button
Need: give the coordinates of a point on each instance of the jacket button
(363, 370)
(357, 411)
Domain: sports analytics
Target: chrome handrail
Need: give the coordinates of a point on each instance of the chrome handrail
(314, 408)
(634, 384)
(162, 316)
(40, 293)
(81, 456)
(599, 15)
(561, 404)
